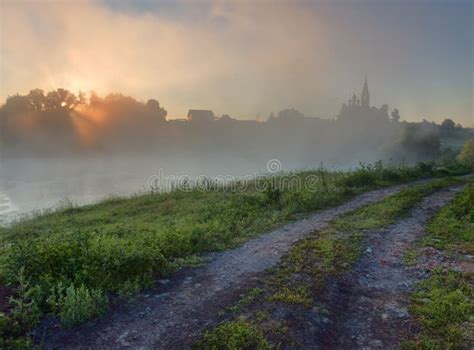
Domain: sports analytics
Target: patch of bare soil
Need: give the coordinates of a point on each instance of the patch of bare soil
(367, 307)
(174, 314)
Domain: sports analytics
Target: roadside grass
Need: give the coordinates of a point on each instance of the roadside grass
(302, 274)
(452, 230)
(82, 254)
(443, 305)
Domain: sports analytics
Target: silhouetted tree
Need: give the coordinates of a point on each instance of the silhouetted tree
(37, 99)
(156, 110)
(61, 99)
(467, 153)
(290, 114)
(395, 116)
(448, 125)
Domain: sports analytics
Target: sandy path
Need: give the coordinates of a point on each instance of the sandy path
(177, 312)
(368, 306)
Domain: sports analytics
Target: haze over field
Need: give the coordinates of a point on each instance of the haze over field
(236, 174)
(95, 94)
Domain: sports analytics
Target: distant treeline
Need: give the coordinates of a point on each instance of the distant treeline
(60, 122)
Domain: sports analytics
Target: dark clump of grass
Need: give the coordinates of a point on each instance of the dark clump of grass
(246, 300)
(234, 335)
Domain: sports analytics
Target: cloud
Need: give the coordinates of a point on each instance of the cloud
(86, 45)
(242, 57)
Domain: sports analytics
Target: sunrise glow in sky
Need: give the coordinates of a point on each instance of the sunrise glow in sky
(247, 57)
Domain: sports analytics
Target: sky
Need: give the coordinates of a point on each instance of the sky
(245, 58)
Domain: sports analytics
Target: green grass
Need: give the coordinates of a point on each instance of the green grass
(123, 245)
(443, 305)
(410, 257)
(328, 253)
(452, 229)
(235, 335)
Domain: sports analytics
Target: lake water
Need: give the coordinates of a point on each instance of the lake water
(7, 209)
(33, 185)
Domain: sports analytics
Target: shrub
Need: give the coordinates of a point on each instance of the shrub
(25, 313)
(272, 194)
(467, 153)
(361, 177)
(77, 305)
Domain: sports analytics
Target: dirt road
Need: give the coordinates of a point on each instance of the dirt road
(176, 312)
(367, 307)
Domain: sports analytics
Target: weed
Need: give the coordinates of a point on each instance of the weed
(23, 316)
(294, 295)
(246, 300)
(410, 257)
(77, 305)
(234, 335)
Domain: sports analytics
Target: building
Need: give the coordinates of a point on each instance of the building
(359, 109)
(200, 116)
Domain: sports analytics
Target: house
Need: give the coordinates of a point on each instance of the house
(200, 116)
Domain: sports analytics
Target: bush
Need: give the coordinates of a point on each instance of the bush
(273, 196)
(467, 153)
(77, 305)
(362, 177)
(25, 314)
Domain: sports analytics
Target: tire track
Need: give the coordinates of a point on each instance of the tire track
(177, 312)
(368, 306)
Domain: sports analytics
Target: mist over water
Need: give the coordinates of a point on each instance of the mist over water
(58, 148)
(29, 185)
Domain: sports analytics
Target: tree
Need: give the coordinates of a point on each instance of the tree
(290, 114)
(17, 104)
(61, 99)
(448, 125)
(395, 116)
(467, 152)
(37, 99)
(156, 110)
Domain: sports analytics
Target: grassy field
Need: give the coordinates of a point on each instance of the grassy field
(443, 305)
(256, 320)
(65, 263)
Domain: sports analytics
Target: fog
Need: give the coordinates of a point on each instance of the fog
(266, 80)
(246, 57)
(60, 148)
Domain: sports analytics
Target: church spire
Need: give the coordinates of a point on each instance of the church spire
(365, 96)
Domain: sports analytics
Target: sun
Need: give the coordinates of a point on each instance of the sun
(76, 84)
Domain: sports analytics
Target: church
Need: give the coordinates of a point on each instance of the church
(359, 109)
